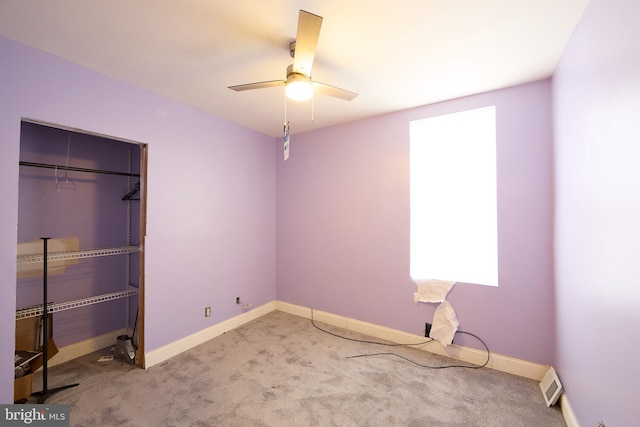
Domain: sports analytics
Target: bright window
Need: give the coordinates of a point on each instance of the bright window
(454, 227)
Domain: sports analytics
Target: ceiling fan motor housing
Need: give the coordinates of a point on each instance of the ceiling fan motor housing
(292, 48)
(293, 76)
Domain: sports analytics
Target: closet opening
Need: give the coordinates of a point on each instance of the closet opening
(85, 192)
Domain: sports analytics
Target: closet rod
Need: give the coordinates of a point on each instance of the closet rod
(75, 169)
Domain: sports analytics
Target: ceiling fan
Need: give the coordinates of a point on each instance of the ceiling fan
(298, 83)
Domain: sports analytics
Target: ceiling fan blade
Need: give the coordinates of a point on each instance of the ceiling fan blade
(258, 85)
(336, 92)
(306, 42)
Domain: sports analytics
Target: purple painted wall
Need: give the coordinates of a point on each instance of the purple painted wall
(597, 151)
(342, 206)
(94, 213)
(211, 194)
(343, 225)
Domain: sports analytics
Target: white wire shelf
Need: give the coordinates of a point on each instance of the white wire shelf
(36, 311)
(88, 253)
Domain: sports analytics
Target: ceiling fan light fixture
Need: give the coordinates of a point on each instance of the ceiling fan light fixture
(299, 87)
(299, 91)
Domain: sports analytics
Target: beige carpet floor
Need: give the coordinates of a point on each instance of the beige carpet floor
(280, 370)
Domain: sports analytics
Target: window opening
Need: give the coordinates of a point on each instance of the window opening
(453, 194)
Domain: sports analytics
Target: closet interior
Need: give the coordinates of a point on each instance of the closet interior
(85, 192)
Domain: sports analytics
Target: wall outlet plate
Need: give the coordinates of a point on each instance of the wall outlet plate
(551, 387)
(207, 311)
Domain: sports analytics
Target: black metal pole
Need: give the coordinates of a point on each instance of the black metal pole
(45, 393)
(45, 317)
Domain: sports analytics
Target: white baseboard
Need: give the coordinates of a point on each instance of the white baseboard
(173, 349)
(82, 348)
(499, 362)
(567, 412)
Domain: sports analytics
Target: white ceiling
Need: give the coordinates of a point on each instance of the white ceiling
(396, 54)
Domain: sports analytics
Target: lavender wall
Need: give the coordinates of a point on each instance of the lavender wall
(211, 194)
(343, 225)
(94, 213)
(597, 139)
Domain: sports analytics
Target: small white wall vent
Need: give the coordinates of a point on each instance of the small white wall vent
(551, 387)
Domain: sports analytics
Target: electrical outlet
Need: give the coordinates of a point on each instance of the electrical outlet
(207, 311)
(238, 301)
(427, 329)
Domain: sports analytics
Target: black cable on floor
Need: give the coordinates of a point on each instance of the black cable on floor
(405, 358)
(365, 341)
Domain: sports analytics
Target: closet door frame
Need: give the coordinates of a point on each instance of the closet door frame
(144, 156)
(140, 360)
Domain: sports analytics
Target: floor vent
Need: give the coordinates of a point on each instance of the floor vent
(551, 387)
